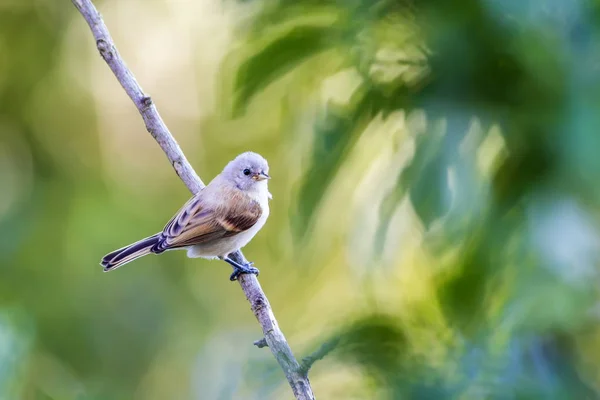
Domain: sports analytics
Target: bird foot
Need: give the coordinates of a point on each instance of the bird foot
(245, 269)
(239, 269)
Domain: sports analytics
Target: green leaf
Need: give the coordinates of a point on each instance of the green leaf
(463, 294)
(425, 181)
(336, 132)
(376, 342)
(428, 194)
(275, 53)
(426, 176)
(523, 168)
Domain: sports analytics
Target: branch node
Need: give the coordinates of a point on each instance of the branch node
(105, 50)
(146, 102)
(258, 305)
(261, 343)
(178, 167)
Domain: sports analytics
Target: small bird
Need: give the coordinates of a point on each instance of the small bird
(220, 219)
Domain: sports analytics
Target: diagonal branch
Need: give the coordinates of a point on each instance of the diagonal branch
(319, 354)
(279, 346)
(309, 360)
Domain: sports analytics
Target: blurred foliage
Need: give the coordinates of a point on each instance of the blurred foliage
(435, 207)
(519, 71)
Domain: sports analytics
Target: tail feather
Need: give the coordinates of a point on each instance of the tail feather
(129, 253)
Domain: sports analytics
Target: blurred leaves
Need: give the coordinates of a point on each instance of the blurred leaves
(16, 338)
(274, 60)
(376, 343)
(427, 176)
(336, 132)
(498, 84)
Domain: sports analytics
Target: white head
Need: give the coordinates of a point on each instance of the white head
(248, 171)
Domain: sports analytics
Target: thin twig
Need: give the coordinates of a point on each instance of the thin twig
(309, 360)
(275, 339)
(319, 354)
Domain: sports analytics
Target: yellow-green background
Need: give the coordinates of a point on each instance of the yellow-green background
(435, 198)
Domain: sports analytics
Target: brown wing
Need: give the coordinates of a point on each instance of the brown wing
(198, 222)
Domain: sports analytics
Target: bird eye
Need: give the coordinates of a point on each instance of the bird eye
(246, 172)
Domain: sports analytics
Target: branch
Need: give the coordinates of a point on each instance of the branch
(319, 354)
(309, 360)
(261, 343)
(275, 339)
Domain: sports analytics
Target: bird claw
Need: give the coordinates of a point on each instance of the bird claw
(240, 269)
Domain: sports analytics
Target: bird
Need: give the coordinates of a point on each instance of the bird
(220, 219)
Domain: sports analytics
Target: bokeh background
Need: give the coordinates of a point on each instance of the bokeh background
(435, 205)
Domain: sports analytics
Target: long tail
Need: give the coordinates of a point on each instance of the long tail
(129, 253)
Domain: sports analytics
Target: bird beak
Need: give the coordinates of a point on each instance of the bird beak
(261, 176)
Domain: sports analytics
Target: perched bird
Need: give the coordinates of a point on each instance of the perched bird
(222, 218)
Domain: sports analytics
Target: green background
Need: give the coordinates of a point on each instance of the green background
(435, 205)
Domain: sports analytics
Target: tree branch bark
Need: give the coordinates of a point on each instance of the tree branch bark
(260, 306)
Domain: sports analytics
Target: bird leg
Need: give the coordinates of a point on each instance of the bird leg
(239, 269)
